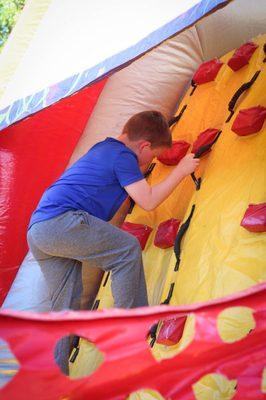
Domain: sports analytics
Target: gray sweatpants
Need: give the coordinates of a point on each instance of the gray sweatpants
(61, 244)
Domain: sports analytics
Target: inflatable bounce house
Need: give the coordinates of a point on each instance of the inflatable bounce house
(71, 74)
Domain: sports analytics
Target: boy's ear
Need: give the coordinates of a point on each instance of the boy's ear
(144, 143)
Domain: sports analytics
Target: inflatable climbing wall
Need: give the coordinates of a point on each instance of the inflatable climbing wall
(203, 248)
(213, 255)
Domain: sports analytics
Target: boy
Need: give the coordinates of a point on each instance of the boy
(70, 224)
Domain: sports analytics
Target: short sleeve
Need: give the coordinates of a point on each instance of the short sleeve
(126, 169)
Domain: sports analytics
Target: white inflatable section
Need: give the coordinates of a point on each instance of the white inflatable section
(96, 30)
(228, 28)
(155, 81)
(29, 291)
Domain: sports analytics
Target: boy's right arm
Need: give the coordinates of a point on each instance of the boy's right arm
(149, 197)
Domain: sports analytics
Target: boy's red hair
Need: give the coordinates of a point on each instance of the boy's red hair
(151, 126)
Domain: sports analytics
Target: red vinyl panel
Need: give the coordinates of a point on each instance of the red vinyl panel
(33, 153)
(128, 362)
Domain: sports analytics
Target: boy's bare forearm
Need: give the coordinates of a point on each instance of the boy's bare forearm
(149, 197)
(163, 189)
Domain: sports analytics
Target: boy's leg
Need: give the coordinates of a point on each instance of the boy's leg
(63, 277)
(80, 236)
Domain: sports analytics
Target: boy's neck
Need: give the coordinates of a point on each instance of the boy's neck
(131, 145)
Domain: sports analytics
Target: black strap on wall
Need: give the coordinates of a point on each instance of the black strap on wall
(242, 89)
(194, 86)
(153, 329)
(175, 119)
(149, 170)
(75, 344)
(152, 333)
(147, 173)
(131, 206)
(179, 237)
(76, 339)
(171, 289)
(96, 305)
(197, 181)
(182, 230)
(106, 279)
(206, 147)
(201, 151)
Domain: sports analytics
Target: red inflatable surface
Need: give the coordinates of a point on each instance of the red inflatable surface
(33, 153)
(129, 364)
(254, 219)
(171, 331)
(242, 55)
(207, 71)
(166, 233)
(175, 154)
(249, 121)
(140, 231)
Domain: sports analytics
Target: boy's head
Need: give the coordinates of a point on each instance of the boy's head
(149, 134)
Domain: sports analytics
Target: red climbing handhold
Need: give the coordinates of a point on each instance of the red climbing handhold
(141, 232)
(254, 219)
(249, 121)
(173, 155)
(166, 233)
(241, 56)
(204, 138)
(171, 331)
(207, 71)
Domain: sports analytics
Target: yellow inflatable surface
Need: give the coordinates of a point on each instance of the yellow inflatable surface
(218, 256)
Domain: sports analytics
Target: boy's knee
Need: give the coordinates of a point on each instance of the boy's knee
(133, 245)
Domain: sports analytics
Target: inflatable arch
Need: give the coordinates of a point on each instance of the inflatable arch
(68, 80)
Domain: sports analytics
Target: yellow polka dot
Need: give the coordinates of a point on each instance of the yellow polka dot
(214, 387)
(235, 323)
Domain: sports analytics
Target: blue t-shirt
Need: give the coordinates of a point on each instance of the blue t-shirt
(95, 183)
